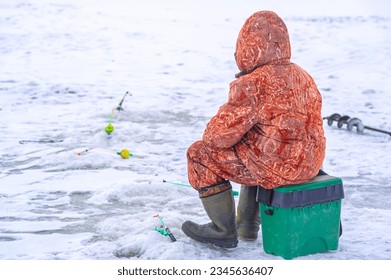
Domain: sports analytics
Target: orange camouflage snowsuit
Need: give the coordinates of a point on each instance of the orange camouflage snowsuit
(270, 131)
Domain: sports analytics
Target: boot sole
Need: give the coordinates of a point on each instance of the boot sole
(228, 243)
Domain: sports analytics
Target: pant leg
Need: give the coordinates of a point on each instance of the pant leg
(208, 166)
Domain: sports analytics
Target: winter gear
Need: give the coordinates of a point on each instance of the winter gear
(270, 131)
(221, 231)
(248, 217)
(215, 189)
(208, 166)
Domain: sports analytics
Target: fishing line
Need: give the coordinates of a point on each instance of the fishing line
(110, 128)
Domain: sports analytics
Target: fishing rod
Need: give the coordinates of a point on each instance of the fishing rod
(119, 107)
(41, 141)
(110, 128)
(235, 193)
(124, 153)
(163, 229)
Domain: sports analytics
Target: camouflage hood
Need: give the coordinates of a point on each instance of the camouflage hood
(263, 39)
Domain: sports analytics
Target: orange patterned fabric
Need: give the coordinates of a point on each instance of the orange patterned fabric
(270, 131)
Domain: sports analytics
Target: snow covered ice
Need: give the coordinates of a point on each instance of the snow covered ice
(65, 64)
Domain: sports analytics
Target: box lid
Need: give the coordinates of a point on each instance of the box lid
(318, 182)
(323, 188)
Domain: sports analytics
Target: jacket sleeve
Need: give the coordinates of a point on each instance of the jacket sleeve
(234, 118)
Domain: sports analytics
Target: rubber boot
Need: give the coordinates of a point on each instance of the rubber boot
(248, 217)
(221, 231)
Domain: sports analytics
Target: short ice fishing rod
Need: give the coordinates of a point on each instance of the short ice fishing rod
(110, 128)
(163, 229)
(41, 141)
(119, 107)
(124, 153)
(235, 193)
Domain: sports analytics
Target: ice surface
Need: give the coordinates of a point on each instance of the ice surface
(65, 64)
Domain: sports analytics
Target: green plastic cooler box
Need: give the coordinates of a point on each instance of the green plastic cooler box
(301, 219)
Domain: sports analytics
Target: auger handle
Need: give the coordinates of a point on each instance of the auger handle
(378, 130)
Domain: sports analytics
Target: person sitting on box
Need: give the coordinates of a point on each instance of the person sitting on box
(268, 133)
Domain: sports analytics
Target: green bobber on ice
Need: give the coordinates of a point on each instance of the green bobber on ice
(109, 128)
